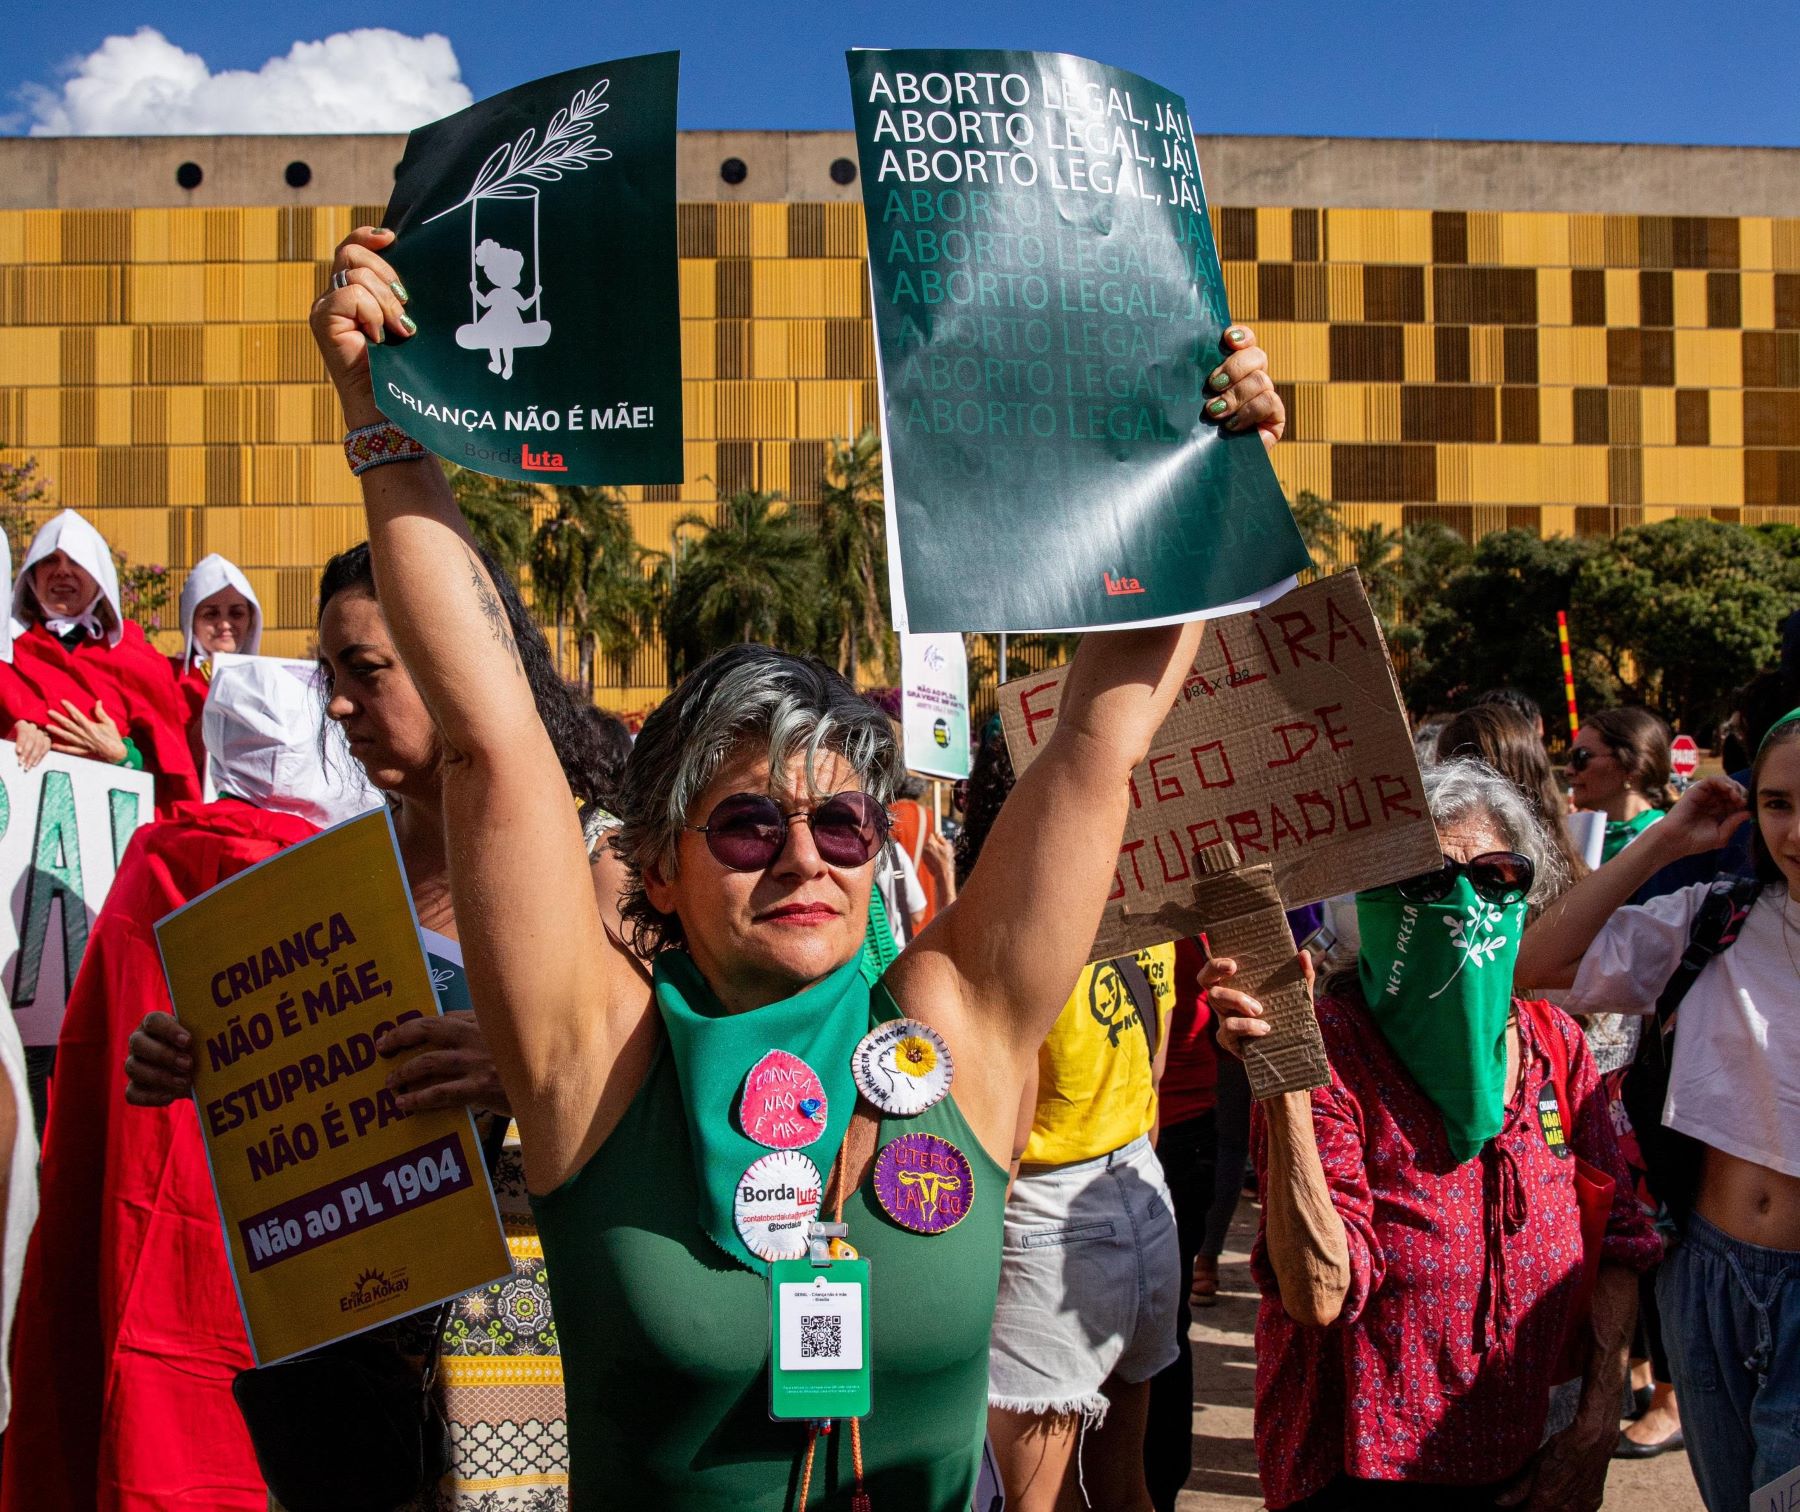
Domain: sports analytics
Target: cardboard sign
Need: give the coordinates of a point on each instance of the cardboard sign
(537, 242)
(1287, 743)
(1247, 922)
(64, 825)
(1048, 309)
(340, 1211)
(934, 704)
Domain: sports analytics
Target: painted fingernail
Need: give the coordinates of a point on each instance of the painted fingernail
(1216, 407)
(380, 335)
(1236, 333)
(409, 325)
(399, 290)
(1220, 379)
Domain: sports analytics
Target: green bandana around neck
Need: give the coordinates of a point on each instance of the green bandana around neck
(715, 1050)
(1621, 832)
(1438, 981)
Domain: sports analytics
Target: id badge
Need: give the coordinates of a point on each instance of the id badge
(820, 1362)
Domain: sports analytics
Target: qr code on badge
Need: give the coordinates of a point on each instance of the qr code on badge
(821, 1336)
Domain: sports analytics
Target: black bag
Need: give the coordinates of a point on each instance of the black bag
(1672, 1160)
(352, 1427)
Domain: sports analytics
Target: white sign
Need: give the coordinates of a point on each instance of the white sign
(63, 827)
(1779, 1495)
(934, 704)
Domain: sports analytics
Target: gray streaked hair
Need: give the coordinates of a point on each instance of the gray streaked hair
(794, 705)
(1460, 787)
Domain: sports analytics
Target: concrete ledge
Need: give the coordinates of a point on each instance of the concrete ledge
(80, 173)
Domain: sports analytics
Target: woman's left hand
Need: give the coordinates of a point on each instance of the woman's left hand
(453, 1070)
(1242, 392)
(1568, 1473)
(75, 734)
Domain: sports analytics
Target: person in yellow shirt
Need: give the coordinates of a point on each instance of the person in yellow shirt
(1090, 1270)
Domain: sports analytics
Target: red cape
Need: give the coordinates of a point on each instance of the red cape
(128, 1333)
(191, 685)
(138, 688)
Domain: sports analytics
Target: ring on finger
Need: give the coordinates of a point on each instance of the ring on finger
(341, 279)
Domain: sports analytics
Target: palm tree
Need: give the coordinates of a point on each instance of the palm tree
(1321, 527)
(753, 575)
(853, 553)
(498, 511)
(618, 597)
(1374, 551)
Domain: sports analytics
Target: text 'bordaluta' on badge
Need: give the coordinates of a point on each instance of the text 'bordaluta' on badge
(536, 238)
(1048, 308)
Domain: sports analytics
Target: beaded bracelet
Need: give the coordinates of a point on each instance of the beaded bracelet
(371, 445)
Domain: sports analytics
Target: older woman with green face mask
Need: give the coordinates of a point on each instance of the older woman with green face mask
(1421, 1255)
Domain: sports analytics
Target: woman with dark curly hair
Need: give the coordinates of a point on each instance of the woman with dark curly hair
(499, 1379)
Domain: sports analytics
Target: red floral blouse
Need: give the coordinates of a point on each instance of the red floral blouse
(1439, 1367)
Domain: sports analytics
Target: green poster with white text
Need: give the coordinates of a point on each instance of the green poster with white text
(1048, 308)
(536, 238)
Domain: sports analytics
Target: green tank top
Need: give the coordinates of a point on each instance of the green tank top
(665, 1341)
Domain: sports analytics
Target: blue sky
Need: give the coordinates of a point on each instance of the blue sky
(1652, 71)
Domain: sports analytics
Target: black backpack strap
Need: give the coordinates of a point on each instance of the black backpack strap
(1143, 996)
(1715, 929)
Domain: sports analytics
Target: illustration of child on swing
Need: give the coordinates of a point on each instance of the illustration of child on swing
(502, 327)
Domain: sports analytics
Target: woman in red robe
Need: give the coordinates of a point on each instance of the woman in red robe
(219, 613)
(68, 624)
(128, 1333)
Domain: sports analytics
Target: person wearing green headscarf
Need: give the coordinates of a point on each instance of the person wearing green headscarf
(1421, 1241)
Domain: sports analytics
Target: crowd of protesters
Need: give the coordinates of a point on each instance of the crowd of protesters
(1524, 1229)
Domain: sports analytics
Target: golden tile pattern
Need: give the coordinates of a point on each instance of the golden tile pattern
(1553, 371)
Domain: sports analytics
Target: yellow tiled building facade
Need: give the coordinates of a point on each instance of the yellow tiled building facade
(1557, 370)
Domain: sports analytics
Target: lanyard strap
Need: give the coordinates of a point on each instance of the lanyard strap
(856, 1150)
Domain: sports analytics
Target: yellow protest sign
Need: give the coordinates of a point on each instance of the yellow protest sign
(340, 1211)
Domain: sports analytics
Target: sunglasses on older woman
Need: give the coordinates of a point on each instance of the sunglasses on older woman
(1498, 876)
(747, 831)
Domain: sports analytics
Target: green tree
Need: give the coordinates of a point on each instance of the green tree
(853, 620)
(25, 499)
(753, 574)
(1321, 526)
(499, 513)
(1678, 613)
(1493, 622)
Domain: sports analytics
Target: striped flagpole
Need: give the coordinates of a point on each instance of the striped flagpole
(1562, 636)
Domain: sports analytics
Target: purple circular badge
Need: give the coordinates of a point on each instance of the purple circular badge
(924, 1183)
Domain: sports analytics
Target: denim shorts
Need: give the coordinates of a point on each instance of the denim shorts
(1090, 1277)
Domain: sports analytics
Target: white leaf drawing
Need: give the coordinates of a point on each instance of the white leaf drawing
(568, 147)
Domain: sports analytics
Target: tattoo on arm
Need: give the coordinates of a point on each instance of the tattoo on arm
(492, 610)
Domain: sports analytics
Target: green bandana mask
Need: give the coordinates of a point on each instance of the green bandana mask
(1438, 981)
(714, 1051)
(1621, 832)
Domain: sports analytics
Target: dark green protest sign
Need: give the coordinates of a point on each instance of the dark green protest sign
(1048, 308)
(536, 237)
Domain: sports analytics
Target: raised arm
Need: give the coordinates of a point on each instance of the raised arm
(1024, 923)
(553, 992)
(1704, 819)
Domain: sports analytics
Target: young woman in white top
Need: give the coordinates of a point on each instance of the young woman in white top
(1730, 1292)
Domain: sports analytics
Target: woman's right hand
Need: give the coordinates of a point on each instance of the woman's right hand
(1240, 1016)
(30, 744)
(369, 307)
(1707, 816)
(159, 1068)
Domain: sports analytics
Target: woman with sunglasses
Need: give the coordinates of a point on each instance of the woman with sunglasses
(1729, 1293)
(680, 1141)
(1619, 765)
(1421, 1245)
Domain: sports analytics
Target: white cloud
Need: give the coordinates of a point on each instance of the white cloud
(371, 79)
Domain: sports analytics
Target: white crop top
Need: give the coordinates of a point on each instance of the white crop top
(1736, 1079)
